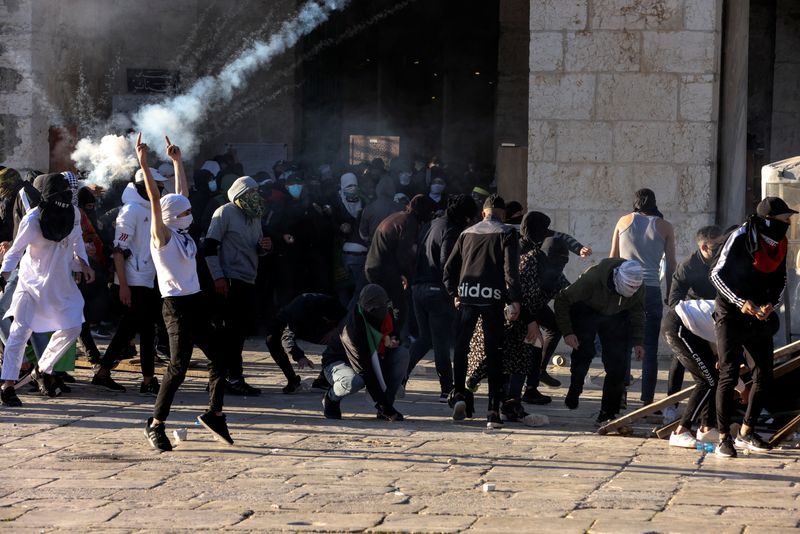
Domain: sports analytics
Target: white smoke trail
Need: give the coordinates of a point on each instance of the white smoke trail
(180, 117)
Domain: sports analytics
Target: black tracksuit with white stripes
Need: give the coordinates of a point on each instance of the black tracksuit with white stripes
(737, 280)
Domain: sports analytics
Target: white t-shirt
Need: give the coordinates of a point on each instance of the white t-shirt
(177, 274)
(698, 317)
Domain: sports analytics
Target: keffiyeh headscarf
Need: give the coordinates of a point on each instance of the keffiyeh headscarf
(628, 278)
(57, 212)
(245, 196)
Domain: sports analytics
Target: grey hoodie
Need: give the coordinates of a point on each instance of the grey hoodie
(380, 208)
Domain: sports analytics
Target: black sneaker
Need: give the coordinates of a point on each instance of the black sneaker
(512, 411)
(443, 397)
(603, 418)
(216, 425)
(128, 352)
(572, 400)
(293, 384)
(547, 380)
(66, 377)
(108, 383)
(493, 421)
(151, 388)
(240, 387)
(533, 396)
(321, 383)
(8, 397)
(331, 408)
(157, 436)
(59, 383)
(46, 383)
(725, 449)
(752, 441)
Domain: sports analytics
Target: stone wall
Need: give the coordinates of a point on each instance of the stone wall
(623, 95)
(786, 96)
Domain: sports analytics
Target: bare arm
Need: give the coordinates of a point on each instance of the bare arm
(159, 233)
(615, 243)
(669, 253)
(181, 183)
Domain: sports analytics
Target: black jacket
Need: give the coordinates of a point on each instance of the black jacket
(434, 249)
(309, 317)
(483, 268)
(393, 249)
(737, 280)
(691, 281)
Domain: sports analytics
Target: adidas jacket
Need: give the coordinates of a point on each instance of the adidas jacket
(483, 268)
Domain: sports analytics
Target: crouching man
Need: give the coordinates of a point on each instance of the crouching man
(606, 301)
(366, 353)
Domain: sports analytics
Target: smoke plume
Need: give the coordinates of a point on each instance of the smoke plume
(181, 116)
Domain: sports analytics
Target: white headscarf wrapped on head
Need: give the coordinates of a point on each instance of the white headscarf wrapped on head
(628, 278)
(172, 205)
(349, 181)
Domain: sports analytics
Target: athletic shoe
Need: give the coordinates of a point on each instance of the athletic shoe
(572, 400)
(459, 410)
(443, 397)
(321, 383)
(101, 333)
(128, 352)
(684, 440)
(240, 387)
(670, 414)
(533, 396)
(157, 436)
(151, 388)
(493, 421)
(752, 441)
(512, 411)
(604, 418)
(8, 397)
(216, 425)
(66, 377)
(59, 383)
(46, 383)
(725, 448)
(331, 408)
(292, 386)
(712, 436)
(382, 416)
(108, 383)
(547, 380)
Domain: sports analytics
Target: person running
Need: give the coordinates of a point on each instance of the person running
(232, 246)
(646, 237)
(48, 247)
(607, 300)
(482, 275)
(185, 315)
(689, 330)
(750, 276)
(134, 277)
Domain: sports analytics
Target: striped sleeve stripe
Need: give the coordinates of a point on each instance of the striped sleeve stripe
(724, 290)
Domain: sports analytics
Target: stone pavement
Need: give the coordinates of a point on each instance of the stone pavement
(80, 463)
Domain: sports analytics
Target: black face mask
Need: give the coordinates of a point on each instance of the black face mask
(772, 228)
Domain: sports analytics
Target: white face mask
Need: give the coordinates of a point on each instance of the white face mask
(181, 223)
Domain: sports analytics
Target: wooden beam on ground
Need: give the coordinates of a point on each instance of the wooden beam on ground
(784, 431)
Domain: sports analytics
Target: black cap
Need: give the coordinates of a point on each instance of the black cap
(772, 206)
(494, 202)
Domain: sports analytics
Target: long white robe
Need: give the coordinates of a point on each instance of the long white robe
(47, 298)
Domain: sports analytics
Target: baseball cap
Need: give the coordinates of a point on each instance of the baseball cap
(772, 206)
(157, 176)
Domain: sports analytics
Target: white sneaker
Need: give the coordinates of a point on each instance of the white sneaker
(670, 414)
(683, 440)
(712, 436)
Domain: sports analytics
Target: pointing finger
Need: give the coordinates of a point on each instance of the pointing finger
(139, 139)
(169, 143)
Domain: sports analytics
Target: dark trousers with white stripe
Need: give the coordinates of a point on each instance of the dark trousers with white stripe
(695, 354)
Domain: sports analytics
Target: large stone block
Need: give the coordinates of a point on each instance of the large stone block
(546, 51)
(637, 14)
(698, 98)
(662, 179)
(541, 141)
(637, 97)
(582, 141)
(643, 142)
(687, 52)
(703, 15)
(694, 142)
(695, 188)
(589, 51)
(558, 14)
(557, 96)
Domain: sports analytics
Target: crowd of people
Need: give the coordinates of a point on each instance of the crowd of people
(380, 266)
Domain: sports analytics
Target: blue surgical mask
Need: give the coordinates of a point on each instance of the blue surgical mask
(295, 190)
(212, 186)
(437, 189)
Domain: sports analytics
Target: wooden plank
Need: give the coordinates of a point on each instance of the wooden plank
(644, 410)
(785, 431)
(787, 350)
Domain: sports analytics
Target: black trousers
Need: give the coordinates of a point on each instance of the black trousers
(276, 329)
(613, 333)
(736, 331)
(238, 309)
(466, 320)
(141, 316)
(695, 355)
(188, 325)
(541, 355)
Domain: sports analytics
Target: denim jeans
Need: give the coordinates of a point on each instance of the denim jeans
(345, 381)
(435, 314)
(653, 311)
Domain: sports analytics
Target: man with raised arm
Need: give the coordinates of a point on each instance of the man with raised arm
(185, 313)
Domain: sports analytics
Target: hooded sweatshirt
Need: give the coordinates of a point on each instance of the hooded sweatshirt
(132, 235)
(595, 288)
(231, 247)
(376, 211)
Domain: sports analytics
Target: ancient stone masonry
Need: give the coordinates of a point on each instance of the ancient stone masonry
(623, 95)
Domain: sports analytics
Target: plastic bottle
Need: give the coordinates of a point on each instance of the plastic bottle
(704, 447)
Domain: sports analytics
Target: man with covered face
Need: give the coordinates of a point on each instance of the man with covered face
(750, 276)
(232, 246)
(607, 300)
(48, 248)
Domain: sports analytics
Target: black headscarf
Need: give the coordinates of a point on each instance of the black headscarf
(57, 213)
(533, 230)
(461, 209)
(422, 207)
(644, 202)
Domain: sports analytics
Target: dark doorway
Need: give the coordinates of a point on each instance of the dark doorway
(426, 73)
